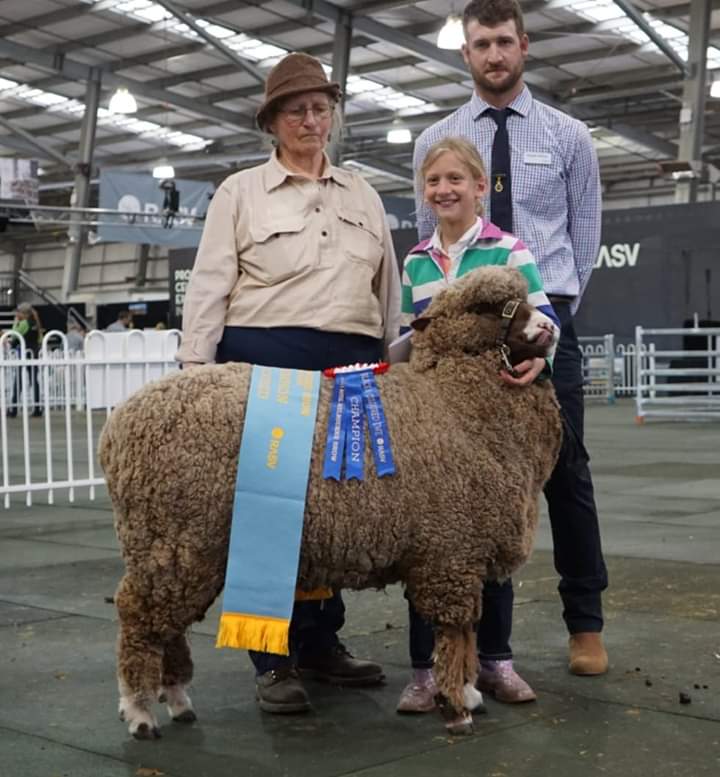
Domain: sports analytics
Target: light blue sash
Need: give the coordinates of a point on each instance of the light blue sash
(268, 510)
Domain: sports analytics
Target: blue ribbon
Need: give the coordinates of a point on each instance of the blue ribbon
(354, 424)
(379, 434)
(356, 396)
(335, 444)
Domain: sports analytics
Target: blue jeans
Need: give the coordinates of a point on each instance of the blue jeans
(314, 624)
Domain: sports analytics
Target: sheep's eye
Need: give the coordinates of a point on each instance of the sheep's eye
(482, 309)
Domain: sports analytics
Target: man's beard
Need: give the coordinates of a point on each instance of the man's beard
(497, 87)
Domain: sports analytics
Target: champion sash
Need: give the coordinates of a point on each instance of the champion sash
(268, 510)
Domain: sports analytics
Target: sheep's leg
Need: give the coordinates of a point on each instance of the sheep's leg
(450, 676)
(139, 672)
(472, 697)
(139, 666)
(177, 673)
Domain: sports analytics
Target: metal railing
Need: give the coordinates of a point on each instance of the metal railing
(678, 383)
(598, 367)
(53, 405)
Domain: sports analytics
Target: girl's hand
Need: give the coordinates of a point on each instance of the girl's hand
(527, 372)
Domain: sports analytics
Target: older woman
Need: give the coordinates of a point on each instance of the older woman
(295, 269)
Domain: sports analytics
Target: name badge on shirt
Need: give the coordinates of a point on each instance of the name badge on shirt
(537, 158)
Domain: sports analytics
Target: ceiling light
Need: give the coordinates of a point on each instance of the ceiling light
(163, 171)
(399, 135)
(715, 88)
(452, 35)
(122, 102)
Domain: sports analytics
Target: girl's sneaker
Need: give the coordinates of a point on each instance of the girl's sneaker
(419, 694)
(499, 679)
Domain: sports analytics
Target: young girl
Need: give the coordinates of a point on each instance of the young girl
(454, 184)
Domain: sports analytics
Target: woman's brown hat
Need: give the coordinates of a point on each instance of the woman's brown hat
(294, 74)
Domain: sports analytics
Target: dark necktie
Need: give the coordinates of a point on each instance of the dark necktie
(500, 191)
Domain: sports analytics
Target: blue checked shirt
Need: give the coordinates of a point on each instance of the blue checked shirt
(555, 185)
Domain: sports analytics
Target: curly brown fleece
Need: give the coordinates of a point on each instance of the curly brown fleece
(472, 455)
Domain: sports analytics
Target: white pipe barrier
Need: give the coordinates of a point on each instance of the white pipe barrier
(598, 366)
(53, 406)
(675, 383)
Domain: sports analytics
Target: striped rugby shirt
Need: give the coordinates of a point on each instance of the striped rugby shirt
(485, 244)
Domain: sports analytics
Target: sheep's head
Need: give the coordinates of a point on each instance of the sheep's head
(467, 317)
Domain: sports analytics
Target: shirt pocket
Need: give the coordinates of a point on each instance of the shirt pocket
(359, 240)
(278, 251)
(541, 188)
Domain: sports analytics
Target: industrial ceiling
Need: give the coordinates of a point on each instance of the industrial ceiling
(196, 69)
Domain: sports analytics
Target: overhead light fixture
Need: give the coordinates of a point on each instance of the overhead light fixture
(163, 171)
(715, 88)
(452, 35)
(399, 135)
(122, 102)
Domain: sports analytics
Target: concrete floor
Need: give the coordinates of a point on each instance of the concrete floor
(658, 489)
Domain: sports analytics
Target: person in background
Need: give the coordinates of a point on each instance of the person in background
(295, 269)
(123, 322)
(27, 323)
(454, 184)
(75, 336)
(545, 188)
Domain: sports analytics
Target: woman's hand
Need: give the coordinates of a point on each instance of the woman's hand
(527, 372)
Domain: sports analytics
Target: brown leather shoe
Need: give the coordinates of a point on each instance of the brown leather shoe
(280, 691)
(587, 654)
(338, 667)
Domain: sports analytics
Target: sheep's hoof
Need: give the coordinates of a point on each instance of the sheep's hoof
(144, 731)
(187, 716)
(461, 726)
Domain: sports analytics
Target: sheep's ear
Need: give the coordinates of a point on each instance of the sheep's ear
(420, 324)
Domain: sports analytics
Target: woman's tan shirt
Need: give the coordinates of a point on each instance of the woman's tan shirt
(279, 250)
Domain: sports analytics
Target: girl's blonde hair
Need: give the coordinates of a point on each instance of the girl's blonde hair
(464, 150)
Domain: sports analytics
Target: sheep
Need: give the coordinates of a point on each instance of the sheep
(472, 456)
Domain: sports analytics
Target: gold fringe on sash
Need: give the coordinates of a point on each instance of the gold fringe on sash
(316, 593)
(253, 632)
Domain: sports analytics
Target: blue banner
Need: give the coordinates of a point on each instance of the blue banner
(142, 198)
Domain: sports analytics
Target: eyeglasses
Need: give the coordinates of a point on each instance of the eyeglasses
(296, 115)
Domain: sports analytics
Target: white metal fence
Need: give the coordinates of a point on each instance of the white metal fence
(609, 369)
(53, 405)
(598, 367)
(678, 383)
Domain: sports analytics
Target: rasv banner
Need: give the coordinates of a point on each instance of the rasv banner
(143, 199)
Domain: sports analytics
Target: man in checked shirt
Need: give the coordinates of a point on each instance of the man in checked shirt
(554, 209)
